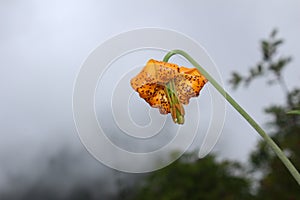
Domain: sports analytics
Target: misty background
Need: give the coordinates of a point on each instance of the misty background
(44, 43)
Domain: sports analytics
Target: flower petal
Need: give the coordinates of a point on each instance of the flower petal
(189, 84)
(155, 72)
(155, 95)
(153, 84)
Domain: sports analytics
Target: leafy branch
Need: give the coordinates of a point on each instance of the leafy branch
(271, 64)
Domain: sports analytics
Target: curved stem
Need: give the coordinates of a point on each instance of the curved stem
(238, 108)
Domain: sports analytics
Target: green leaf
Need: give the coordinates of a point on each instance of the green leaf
(265, 47)
(235, 80)
(278, 42)
(294, 112)
(274, 33)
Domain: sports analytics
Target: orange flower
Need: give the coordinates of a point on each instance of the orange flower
(167, 86)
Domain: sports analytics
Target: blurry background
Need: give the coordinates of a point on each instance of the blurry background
(43, 44)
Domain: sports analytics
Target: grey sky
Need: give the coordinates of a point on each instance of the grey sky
(43, 44)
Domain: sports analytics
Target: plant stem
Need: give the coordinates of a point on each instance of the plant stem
(176, 108)
(238, 108)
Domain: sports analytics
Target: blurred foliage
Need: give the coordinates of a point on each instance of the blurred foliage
(193, 178)
(70, 175)
(276, 181)
(294, 112)
(271, 64)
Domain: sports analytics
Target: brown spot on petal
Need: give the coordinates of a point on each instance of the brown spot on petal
(151, 82)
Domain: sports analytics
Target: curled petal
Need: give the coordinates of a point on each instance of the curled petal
(155, 72)
(155, 95)
(167, 86)
(188, 84)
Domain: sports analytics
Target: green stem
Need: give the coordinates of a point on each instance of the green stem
(176, 108)
(250, 120)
